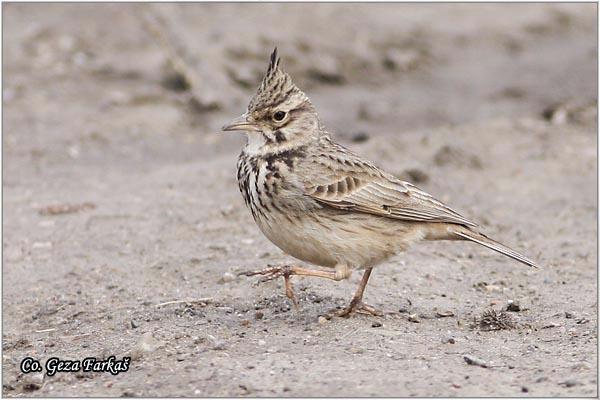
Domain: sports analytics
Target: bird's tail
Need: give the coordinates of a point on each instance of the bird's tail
(483, 240)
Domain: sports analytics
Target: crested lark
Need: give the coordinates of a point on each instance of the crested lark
(321, 203)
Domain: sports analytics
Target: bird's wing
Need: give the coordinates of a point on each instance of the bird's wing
(353, 184)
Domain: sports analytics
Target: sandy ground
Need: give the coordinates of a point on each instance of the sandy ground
(120, 195)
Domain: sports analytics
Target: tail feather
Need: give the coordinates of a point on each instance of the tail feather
(496, 246)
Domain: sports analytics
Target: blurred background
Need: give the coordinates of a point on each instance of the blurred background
(86, 68)
(120, 195)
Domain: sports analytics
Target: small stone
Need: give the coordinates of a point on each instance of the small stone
(551, 325)
(444, 314)
(472, 360)
(557, 114)
(227, 277)
(449, 339)
(322, 320)
(414, 318)
(259, 315)
(513, 306)
(524, 389)
(245, 322)
(376, 324)
(570, 383)
(261, 342)
(569, 315)
(134, 324)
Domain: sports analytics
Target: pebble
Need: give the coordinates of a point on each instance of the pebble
(414, 318)
(443, 314)
(227, 277)
(551, 325)
(513, 306)
(471, 360)
(134, 324)
(259, 315)
(322, 320)
(261, 342)
(569, 315)
(524, 389)
(448, 339)
(570, 383)
(376, 324)
(557, 115)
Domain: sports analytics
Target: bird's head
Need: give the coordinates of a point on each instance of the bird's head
(279, 114)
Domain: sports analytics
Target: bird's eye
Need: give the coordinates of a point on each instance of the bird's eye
(279, 116)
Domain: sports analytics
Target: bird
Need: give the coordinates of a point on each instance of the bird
(323, 204)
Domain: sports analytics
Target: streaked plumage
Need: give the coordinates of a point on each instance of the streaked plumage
(322, 203)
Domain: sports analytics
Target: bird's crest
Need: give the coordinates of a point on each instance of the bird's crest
(276, 87)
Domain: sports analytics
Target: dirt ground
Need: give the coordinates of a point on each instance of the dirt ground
(119, 195)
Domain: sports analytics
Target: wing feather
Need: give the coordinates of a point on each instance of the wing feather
(393, 199)
(357, 185)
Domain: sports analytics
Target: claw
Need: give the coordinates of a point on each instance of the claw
(359, 307)
(274, 272)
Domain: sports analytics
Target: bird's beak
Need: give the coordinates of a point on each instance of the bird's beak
(241, 123)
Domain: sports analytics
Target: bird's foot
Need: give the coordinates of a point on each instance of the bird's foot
(270, 272)
(274, 272)
(359, 307)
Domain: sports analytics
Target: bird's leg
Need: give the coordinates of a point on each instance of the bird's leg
(289, 291)
(357, 305)
(276, 271)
